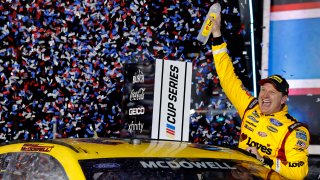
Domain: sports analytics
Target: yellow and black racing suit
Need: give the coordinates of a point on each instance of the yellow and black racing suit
(278, 137)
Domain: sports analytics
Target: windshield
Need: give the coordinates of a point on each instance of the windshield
(30, 165)
(171, 168)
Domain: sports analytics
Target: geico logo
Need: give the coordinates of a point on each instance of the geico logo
(298, 164)
(136, 111)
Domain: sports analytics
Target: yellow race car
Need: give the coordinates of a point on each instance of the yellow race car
(101, 158)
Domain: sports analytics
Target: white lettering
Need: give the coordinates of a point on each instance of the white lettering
(135, 127)
(136, 111)
(185, 164)
(211, 165)
(138, 77)
(159, 163)
(149, 164)
(199, 164)
(137, 95)
(173, 164)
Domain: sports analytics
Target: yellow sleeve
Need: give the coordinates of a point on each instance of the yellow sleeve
(230, 82)
(296, 151)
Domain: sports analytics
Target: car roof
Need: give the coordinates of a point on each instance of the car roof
(90, 148)
(69, 152)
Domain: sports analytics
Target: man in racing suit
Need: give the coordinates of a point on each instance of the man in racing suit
(267, 130)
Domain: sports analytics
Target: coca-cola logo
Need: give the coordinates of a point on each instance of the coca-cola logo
(137, 95)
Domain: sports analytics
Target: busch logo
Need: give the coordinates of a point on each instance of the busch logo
(298, 164)
(138, 77)
(137, 95)
(136, 111)
(135, 127)
(263, 148)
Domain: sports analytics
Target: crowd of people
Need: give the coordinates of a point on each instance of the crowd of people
(61, 64)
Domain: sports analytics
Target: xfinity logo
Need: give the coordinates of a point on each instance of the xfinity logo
(136, 111)
(135, 127)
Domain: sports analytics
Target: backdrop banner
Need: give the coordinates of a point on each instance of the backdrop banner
(137, 104)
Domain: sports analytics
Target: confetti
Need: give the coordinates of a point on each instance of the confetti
(61, 64)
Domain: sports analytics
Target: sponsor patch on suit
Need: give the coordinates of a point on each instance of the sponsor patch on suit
(262, 134)
(253, 119)
(255, 113)
(272, 129)
(275, 122)
(301, 135)
(301, 144)
(248, 127)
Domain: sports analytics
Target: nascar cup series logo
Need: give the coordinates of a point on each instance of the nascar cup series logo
(138, 77)
(172, 105)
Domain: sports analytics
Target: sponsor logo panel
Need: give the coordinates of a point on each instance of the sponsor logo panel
(275, 122)
(272, 129)
(132, 127)
(301, 135)
(253, 119)
(248, 127)
(298, 149)
(250, 123)
(255, 113)
(301, 144)
(137, 95)
(262, 148)
(137, 111)
(138, 77)
(262, 134)
(296, 164)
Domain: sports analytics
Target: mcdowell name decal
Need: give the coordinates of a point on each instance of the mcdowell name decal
(184, 164)
(36, 147)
